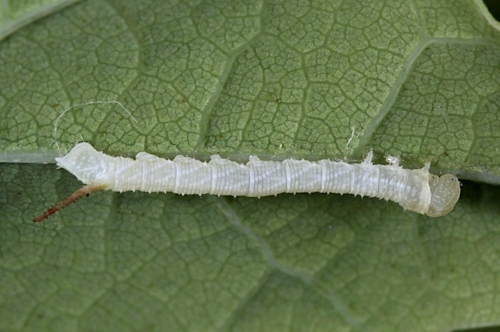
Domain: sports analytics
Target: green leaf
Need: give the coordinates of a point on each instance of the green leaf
(304, 79)
(18, 13)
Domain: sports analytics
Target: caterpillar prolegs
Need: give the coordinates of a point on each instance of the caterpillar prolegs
(416, 190)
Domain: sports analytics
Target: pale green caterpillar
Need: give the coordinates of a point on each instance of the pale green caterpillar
(416, 190)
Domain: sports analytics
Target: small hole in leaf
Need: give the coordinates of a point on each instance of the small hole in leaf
(481, 329)
(493, 7)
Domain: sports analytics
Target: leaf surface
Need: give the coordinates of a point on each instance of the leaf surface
(334, 79)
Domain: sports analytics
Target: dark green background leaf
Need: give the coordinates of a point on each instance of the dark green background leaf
(305, 79)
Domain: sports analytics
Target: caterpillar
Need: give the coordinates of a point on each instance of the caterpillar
(416, 190)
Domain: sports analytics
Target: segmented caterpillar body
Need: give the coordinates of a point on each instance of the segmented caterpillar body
(416, 190)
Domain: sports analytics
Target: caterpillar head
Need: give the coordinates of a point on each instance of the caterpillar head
(445, 191)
